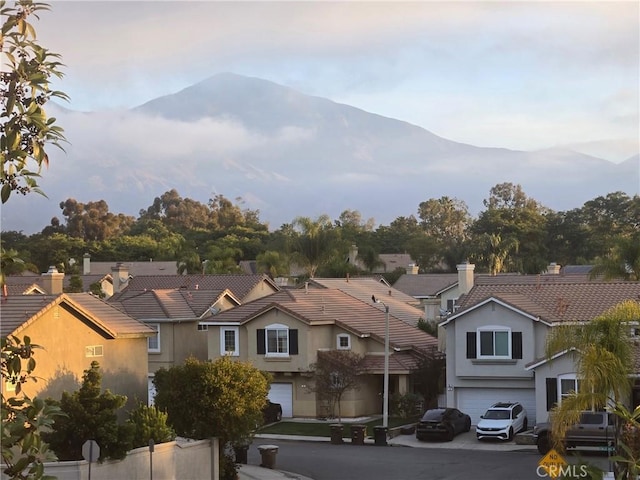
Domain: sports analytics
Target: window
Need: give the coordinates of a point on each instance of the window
(567, 384)
(202, 327)
(494, 343)
(93, 351)
(154, 341)
(277, 341)
(343, 342)
(229, 343)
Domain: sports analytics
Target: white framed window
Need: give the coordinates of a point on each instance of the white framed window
(494, 342)
(343, 341)
(154, 341)
(93, 351)
(568, 383)
(229, 341)
(277, 340)
(203, 327)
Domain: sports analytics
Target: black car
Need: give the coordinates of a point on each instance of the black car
(272, 412)
(442, 423)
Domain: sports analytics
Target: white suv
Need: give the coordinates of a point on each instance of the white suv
(502, 421)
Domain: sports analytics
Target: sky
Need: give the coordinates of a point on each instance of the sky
(519, 75)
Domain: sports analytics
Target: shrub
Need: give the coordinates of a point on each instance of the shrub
(150, 423)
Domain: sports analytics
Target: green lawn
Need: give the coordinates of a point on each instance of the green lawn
(323, 428)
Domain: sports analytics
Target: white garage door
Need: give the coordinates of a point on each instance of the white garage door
(282, 393)
(475, 401)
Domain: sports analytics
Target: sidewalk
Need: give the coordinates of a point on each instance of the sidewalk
(255, 472)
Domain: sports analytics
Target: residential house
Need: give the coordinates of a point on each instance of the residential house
(75, 329)
(403, 306)
(176, 307)
(496, 339)
(389, 262)
(283, 332)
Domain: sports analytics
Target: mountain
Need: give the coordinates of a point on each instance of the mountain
(289, 154)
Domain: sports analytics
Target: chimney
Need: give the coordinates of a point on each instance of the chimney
(553, 269)
(465, 277)
(52, 281)
(86, 264)
(119, 277)
(412, 269)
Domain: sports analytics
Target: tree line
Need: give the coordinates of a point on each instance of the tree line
(514, 233)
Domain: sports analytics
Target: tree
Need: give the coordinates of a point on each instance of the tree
(221, 399)
(90, 415)
(150, 424)
(604, 363)
(429, 376)
(274, 264)
(445, 219)
(25, 128)
(514, 218)
(24, 450)
(335, 373)
(316, 242)
(623, 262)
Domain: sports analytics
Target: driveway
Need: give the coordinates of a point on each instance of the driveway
(465, 440)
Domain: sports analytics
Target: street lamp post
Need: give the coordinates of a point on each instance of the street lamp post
(385, 400)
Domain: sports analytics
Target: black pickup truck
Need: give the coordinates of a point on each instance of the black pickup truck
(595, 429)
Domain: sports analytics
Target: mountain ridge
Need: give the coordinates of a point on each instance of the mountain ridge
(289, 154)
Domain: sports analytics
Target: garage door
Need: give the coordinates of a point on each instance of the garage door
(282, 393)
(475, 401)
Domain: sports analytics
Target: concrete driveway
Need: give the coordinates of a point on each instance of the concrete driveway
(463, 441)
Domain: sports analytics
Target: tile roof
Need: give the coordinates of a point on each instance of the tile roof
(319, 306)
(401, 305)
(169, 304)
(18, 310)
(18, 284)
(398, 362)
(239, 284)
(135, 268)
(392, 261)
(425, 284)
(552, 299)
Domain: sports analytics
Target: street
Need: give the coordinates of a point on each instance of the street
(324, 461)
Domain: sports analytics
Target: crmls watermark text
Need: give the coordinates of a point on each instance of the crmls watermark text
(564, 471)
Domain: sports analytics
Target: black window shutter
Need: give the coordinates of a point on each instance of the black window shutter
(293, 342)
(552, 393)
(261, 341)
(516, 344)
(471, 345)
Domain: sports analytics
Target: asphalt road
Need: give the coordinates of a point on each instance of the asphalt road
(324, 461)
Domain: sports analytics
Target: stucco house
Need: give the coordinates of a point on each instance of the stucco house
(175, 307)
(282, 334)
(496, 339)
(75, 329)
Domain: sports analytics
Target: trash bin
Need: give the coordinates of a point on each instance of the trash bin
(380, 435)
(336, 433)
(268, 453)
(241, 453)
(358, 432)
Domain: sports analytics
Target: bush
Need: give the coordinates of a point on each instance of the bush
(404, 406)
(150, 423)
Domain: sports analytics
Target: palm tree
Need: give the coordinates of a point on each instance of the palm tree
(604, 363)
(316, 243)
(623, 261)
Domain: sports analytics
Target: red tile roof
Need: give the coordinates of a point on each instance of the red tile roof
(552, 299)
(17, 310)
(319, 306)
(240, 285)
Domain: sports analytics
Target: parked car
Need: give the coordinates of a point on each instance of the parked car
(442, 422)
(272, 412)
(594, 429)
(501, 421)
